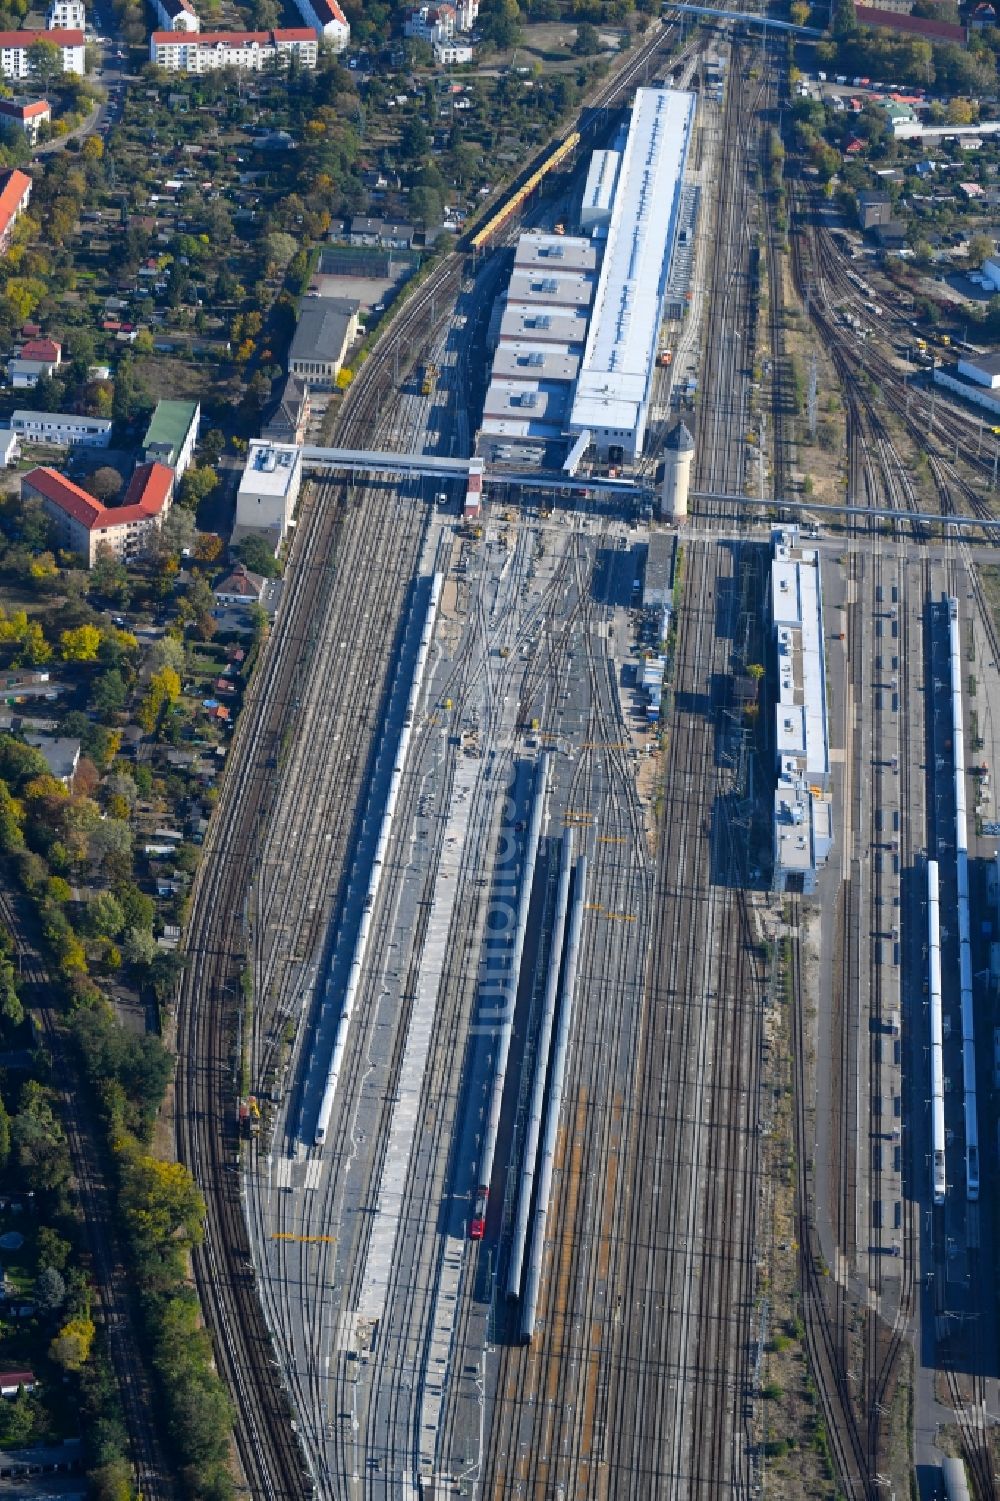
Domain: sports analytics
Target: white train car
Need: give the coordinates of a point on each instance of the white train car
(964, 923)
(939, 1182)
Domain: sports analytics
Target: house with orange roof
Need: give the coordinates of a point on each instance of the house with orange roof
(86, 527)
(29, 114)
(15, 195)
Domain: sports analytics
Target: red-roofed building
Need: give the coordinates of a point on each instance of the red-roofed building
(891, 20)
(30, 115)
(85, 526)
(327, 20)
(253, 51)
(33, 360)
(15, 195)
(12, 1381)
(16, 60)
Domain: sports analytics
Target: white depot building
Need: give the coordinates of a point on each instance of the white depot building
(612, 391)
(803, 811)
(265, 501)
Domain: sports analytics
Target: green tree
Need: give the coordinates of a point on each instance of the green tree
(981, 247)
(587, 41)
(255, 554)
(198, 483)
(105, 918)
(5, 1135)
(50, 1290)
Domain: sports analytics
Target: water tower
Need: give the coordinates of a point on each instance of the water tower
(678, 452)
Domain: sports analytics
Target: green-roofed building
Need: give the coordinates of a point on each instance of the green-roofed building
(172, 434)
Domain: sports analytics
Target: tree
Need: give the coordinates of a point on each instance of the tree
(71, 1346)
(81, 644)
(587, 40)
(212, 446)
(110, 844)
(4, 1135)
(50, 1290)
(105, 918)
(138, 946)
(168, 651)
(962, 111)
(981, 247)
(207, 547)
(104, 483)
(254, 553)
(93, 150)
(199, 481)
(177, 533)
(109, 576)
(164, 690)
(45, 62)
(52, 1249)
(109, 694)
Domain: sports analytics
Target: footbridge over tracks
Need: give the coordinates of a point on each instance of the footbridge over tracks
(631, 492)
(750, 17)
(432, 466)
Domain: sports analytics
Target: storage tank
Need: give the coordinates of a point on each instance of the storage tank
(678, 452)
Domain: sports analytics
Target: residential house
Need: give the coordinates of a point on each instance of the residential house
(431, 23)
(36, 358)
(364, 231)
(250, 51)
(240, 588)
(269, 488)
(16, 60)
(172, 434)
(67, 429)
(450, 53)
(290, 418)
(177, 15)
(66, 15)
(325, 331)
(12, 1381)
(983, 17)
(15, 195)
(29, 115)
(327, 20)
(62, 757)
(86, 527)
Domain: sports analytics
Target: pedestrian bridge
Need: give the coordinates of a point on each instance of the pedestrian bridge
(432, 466)
(750, 17)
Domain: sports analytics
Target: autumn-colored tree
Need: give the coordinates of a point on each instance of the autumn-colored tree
(71, 1346)
(163, 691)
(80, 644)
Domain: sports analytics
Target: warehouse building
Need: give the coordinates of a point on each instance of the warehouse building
(803, 810)
(612, 393)
(599, 191)
(543, 252)
(564, 329)
(550, 289)
(976, 378)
